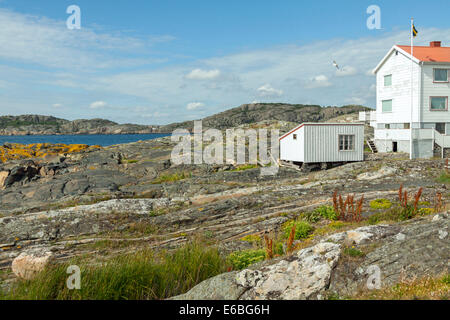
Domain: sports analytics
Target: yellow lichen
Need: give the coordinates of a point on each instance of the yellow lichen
(16, 151)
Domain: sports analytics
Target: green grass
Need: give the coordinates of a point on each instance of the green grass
(380, 204)
(396, 214)
(141, 275)
(353, 252)
(171, 177)
(245, 167)
(444, 178)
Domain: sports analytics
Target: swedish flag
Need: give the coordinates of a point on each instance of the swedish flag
(414, 31)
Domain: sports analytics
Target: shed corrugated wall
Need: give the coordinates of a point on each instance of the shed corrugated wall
(322, 143)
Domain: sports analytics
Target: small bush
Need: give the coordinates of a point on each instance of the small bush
(380, 204)
(302, 229)
(242, 259)
(326, 212)
(311, 216)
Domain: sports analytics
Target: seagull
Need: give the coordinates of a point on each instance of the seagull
(335, 64)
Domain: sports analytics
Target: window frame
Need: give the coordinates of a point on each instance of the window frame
(446, 103)
(353, 145)
(392, 105)
(440, 81)
(384, 80)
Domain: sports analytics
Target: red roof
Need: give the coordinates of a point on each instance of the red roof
(429, 54)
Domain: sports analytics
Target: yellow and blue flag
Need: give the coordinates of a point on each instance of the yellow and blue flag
(414, 31)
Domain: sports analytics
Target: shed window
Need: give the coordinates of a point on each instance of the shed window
(294, 136)
(386, 105)
(438, 103)
(347, 142)
(388, 80)
(440, 75)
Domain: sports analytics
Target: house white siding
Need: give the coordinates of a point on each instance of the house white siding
(392, 127)
(317, 143)
(399, 66)
(322, 143)
(293, 150)
(432, 89)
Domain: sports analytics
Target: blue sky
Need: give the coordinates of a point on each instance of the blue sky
(155, 62)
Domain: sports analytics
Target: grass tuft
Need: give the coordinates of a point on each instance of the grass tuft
(138, 276)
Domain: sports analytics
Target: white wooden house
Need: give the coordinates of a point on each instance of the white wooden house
(323, 144)
(418, 110)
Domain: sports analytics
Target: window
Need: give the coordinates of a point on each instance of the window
(294, 136)
(406, 125)
(440, 75)
(346, 142)
(388, 80)
(386, 105)
(387, 126)
(438, 103)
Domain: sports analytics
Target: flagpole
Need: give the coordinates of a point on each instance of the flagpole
(412, 104)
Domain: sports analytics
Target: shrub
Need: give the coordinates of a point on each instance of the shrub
(326, 212)
(141, 275)
(380, 204)
(311, 216)
(353, 252)
(302, 229)
(242, 259)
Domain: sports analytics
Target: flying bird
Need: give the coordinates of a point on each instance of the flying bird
(335, 64)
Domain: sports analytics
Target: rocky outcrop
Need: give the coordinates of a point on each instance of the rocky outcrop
(257, 112)
(406, 250)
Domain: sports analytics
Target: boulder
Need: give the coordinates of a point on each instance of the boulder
(3, 176)
(29, 263)
(221, 287)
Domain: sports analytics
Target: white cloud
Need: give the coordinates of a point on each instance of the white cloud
(268, 91)
(346, 71)
(57, 105)
(194, 105)
(98, 105)
(48, 42)
(320, 81)
(356, 100)
(199, 74)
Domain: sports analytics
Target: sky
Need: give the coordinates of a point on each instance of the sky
(157, 62)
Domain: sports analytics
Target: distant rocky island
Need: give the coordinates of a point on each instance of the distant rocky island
(244, 114)
(48, 125)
